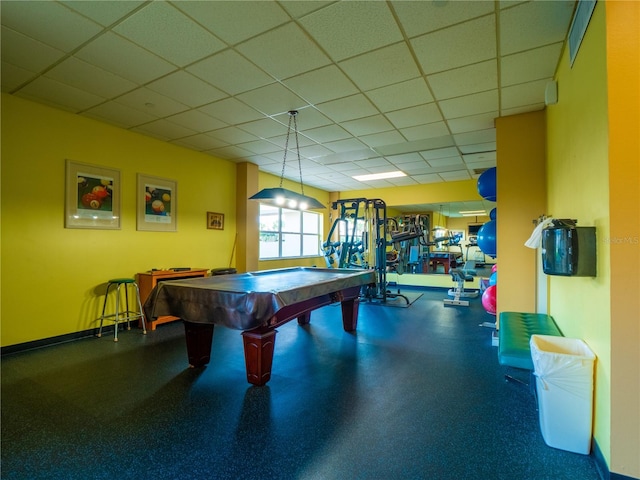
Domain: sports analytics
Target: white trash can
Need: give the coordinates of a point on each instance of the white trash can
(564, 383)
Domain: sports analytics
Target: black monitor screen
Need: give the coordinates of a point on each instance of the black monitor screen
(474, 228)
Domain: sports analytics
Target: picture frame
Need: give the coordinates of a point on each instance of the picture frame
(156, 204)
(215, 221)
(92, 196)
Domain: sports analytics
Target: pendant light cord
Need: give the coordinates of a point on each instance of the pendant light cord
(292, 116)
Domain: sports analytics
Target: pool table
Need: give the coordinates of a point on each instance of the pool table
(255, 303)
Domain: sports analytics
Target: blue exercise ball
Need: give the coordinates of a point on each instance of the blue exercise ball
(493, 279)
(493, 214)
(487, 184)
(487, 238)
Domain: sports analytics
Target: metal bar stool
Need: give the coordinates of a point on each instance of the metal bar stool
(126, 315)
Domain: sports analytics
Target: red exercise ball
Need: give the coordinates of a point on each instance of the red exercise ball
(494, 268)
(489, 299)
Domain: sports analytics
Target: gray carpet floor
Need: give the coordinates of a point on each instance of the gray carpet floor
(415, 393)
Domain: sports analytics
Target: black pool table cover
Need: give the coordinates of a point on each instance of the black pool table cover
(248, 300)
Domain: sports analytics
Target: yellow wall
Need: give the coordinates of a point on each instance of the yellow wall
(578, 188)
(444, 192)
(51, 274)
(520, 178)
(623, 81)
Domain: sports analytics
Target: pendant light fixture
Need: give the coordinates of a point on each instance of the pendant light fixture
(282, 197)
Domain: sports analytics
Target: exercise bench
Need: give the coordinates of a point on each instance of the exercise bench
(514, 334)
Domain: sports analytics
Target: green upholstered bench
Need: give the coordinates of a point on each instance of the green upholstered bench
(515, 330)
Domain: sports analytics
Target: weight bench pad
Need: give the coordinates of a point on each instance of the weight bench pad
(515, 332)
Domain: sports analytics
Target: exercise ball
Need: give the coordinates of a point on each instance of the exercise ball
(494, 268)
(489, 299)
(493, 213)
(493, 279)
(487, 184)
(487, 238)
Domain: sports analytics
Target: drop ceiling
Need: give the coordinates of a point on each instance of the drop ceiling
(398, 85)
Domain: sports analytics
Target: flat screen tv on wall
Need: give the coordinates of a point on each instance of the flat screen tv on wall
(569, 250)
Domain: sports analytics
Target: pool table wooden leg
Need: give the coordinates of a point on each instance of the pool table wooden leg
(258, 354)
(350, 310)
(199, 338)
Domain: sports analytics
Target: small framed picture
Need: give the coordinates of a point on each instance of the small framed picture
(215, 221)
(157, 204)
(92, 196)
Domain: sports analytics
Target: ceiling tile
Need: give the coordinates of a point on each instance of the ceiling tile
(470, 42)
(168, 33)
(201, 142)
(315, 151)
(284, 52)
(439, 153)
(164, 129)
(349, 108)
(470, 104)
(533, 24)
(90, 78)
(197, 121)
(368, 125)
(235, 22)
(475, 78)
(119, 114)
(473, 122)
(264, 128)
(345, 29)
(447, 162)
(429, 178)
(423, 17)
(232, 135)
(409, 117)
(480, 136)
(346, 145)
(104, 13)
(401, 95)
(455, 176)
(530, 65)
(399, 160)
(524, 94)
(26, 53)
(321, 85)
(230, 72)
(231, 111)
(327, 134)
(151, 102)
(416, 145)
(187, 89)
(40, 20)
(245, 64)
(261, 147)
(416, 168)
(479, 157)
(382, 139)
(272, 99)
(429, 130)
(13, 77)
(388, 65)
(478, 147)
(132, 62)
(59, 95)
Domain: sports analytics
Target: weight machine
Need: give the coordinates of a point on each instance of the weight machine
(362, 243)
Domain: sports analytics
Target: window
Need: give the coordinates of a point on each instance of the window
(289, 233)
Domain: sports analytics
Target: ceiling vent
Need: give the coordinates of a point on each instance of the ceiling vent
(579, 26)
(478, 171)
